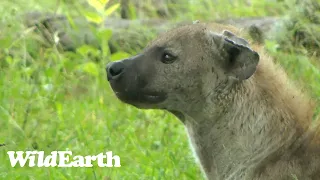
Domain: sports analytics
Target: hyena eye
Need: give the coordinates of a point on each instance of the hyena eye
(168, 58)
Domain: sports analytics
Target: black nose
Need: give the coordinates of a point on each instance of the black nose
(114, 70)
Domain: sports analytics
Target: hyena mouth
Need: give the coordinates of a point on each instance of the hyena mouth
(141, 97)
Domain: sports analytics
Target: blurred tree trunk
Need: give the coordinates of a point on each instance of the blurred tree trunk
(128, 35)
(144, 7)
(125, 9)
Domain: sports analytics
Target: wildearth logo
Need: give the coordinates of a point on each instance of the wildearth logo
(61, 159)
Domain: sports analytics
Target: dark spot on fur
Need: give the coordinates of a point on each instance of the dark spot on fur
(176, 88)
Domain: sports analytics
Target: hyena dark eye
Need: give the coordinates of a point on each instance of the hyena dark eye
(168, 58)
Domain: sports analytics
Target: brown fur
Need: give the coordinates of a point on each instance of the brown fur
(249, 129)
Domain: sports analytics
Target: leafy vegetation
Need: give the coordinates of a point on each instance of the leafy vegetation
(53, 100)
(301, 27)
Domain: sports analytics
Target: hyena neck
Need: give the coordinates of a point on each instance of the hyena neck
(238, 130)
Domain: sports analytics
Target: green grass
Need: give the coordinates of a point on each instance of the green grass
(57, 101)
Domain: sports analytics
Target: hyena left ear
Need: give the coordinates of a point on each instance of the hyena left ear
(239, 60)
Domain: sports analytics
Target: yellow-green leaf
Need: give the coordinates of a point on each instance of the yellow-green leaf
(111, 9)
(119, 55)
(105, 34)
(93, 17)
(86, 50)
(9, 60)
(90, 68)
(59, 109)
(98, 4)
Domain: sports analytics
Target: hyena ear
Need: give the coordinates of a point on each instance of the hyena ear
(235, 38)
(239, 60)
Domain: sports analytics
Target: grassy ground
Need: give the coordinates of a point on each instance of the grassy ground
(57, 101)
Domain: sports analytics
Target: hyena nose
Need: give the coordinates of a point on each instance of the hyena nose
(114, 70)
